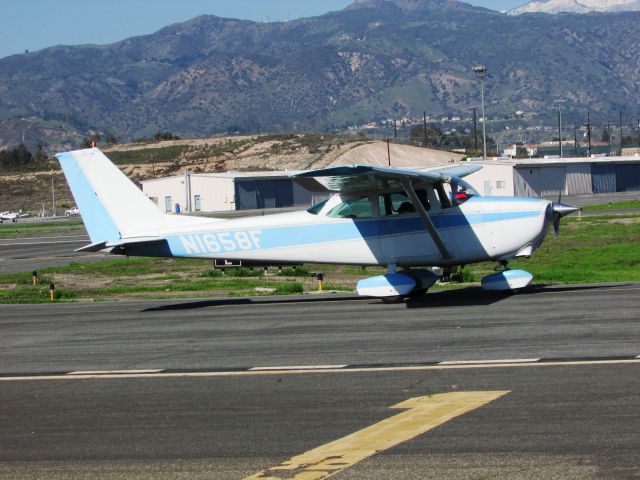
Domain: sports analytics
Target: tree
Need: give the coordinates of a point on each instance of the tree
(15, 158)
(40, 156)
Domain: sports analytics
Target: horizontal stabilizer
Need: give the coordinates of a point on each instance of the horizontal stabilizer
(94, 247)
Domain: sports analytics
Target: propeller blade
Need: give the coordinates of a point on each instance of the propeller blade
(556, 224)
(561, 210)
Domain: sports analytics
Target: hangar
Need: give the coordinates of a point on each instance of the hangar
(549, 176)
(217, 192)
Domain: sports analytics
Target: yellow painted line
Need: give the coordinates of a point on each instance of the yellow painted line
(423, 414)
(247, 373)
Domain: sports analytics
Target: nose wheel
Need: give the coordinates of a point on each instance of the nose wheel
(506, 280)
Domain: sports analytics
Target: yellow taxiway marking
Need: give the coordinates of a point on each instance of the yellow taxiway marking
(423, 414)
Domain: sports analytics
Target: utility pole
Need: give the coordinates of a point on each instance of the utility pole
(638, 130)
(620, 132)
(424, 126)
(475, 130)
(53, 198)
(395, 130)
(588, 125)
(609, 136)
(388, 152)
(575, 140)
(481, 72)
(558, 102)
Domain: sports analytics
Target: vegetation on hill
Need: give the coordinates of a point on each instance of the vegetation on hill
(20, 159)
(376, 60)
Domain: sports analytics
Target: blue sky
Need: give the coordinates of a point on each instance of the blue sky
(36, 24)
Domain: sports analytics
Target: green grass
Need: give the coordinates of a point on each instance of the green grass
(613, 206)
(594, 249)
(12, 230)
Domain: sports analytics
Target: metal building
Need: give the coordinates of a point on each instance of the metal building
(216, 192)
(549, 177)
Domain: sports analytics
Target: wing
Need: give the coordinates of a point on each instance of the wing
(362, 178)
(367, 178)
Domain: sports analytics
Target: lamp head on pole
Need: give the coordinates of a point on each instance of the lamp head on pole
(480, 71)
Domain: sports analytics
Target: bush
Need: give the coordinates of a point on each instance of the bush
(244, 272)
(63, 294)
(212, 273)
(462, 275)
(294, 272)
(289, 288)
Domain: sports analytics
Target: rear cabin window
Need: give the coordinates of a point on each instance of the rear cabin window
(353, 208)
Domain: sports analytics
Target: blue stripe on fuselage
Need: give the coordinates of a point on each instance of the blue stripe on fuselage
(246, 240)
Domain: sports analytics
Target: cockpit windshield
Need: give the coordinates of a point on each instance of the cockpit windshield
(461, 191)
(317, 208)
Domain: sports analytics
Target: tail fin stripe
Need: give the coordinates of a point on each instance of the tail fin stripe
(97, 220)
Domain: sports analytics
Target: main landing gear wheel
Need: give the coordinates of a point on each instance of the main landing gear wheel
(393, 299)
(418, 292)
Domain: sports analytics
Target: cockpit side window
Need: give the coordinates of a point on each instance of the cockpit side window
(442, 195)
(399, 203)
(353, 208)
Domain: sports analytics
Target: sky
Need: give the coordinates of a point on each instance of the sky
(36, 24)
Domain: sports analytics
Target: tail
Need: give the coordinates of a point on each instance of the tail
(112, 207)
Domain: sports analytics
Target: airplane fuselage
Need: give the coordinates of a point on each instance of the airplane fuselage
(483, 228)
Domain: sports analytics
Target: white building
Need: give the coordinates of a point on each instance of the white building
(216, 192)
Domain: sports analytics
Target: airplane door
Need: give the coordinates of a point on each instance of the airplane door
(487, 188)
(403, 236)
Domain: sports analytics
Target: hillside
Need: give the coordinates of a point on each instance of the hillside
(375, 59)
(30, 191)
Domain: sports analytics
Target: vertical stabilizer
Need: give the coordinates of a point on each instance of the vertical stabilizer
(111, 206)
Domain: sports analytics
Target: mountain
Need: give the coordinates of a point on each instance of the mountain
(376, 59)
(577, 6)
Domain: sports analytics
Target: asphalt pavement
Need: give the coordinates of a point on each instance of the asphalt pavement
(242, 388)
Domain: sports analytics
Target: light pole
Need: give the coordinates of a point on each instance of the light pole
(559, 102)
(481, 72)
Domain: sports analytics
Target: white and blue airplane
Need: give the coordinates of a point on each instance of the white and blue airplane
(12, 216)
(406, 220)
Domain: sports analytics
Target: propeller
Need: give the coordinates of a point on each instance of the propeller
(559, 210)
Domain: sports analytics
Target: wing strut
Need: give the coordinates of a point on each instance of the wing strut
(408, 188)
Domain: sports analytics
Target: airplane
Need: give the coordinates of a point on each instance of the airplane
(408, 221)
(13, 216)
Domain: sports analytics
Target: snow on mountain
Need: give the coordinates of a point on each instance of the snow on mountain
(577, 6)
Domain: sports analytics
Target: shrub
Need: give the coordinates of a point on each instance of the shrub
(294, 272)
(244, 272)
(289, 288)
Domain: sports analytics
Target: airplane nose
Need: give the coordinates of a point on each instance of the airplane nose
(563, 210)
(559, 210)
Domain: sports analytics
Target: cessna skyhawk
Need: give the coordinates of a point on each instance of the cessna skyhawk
(408, 221)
